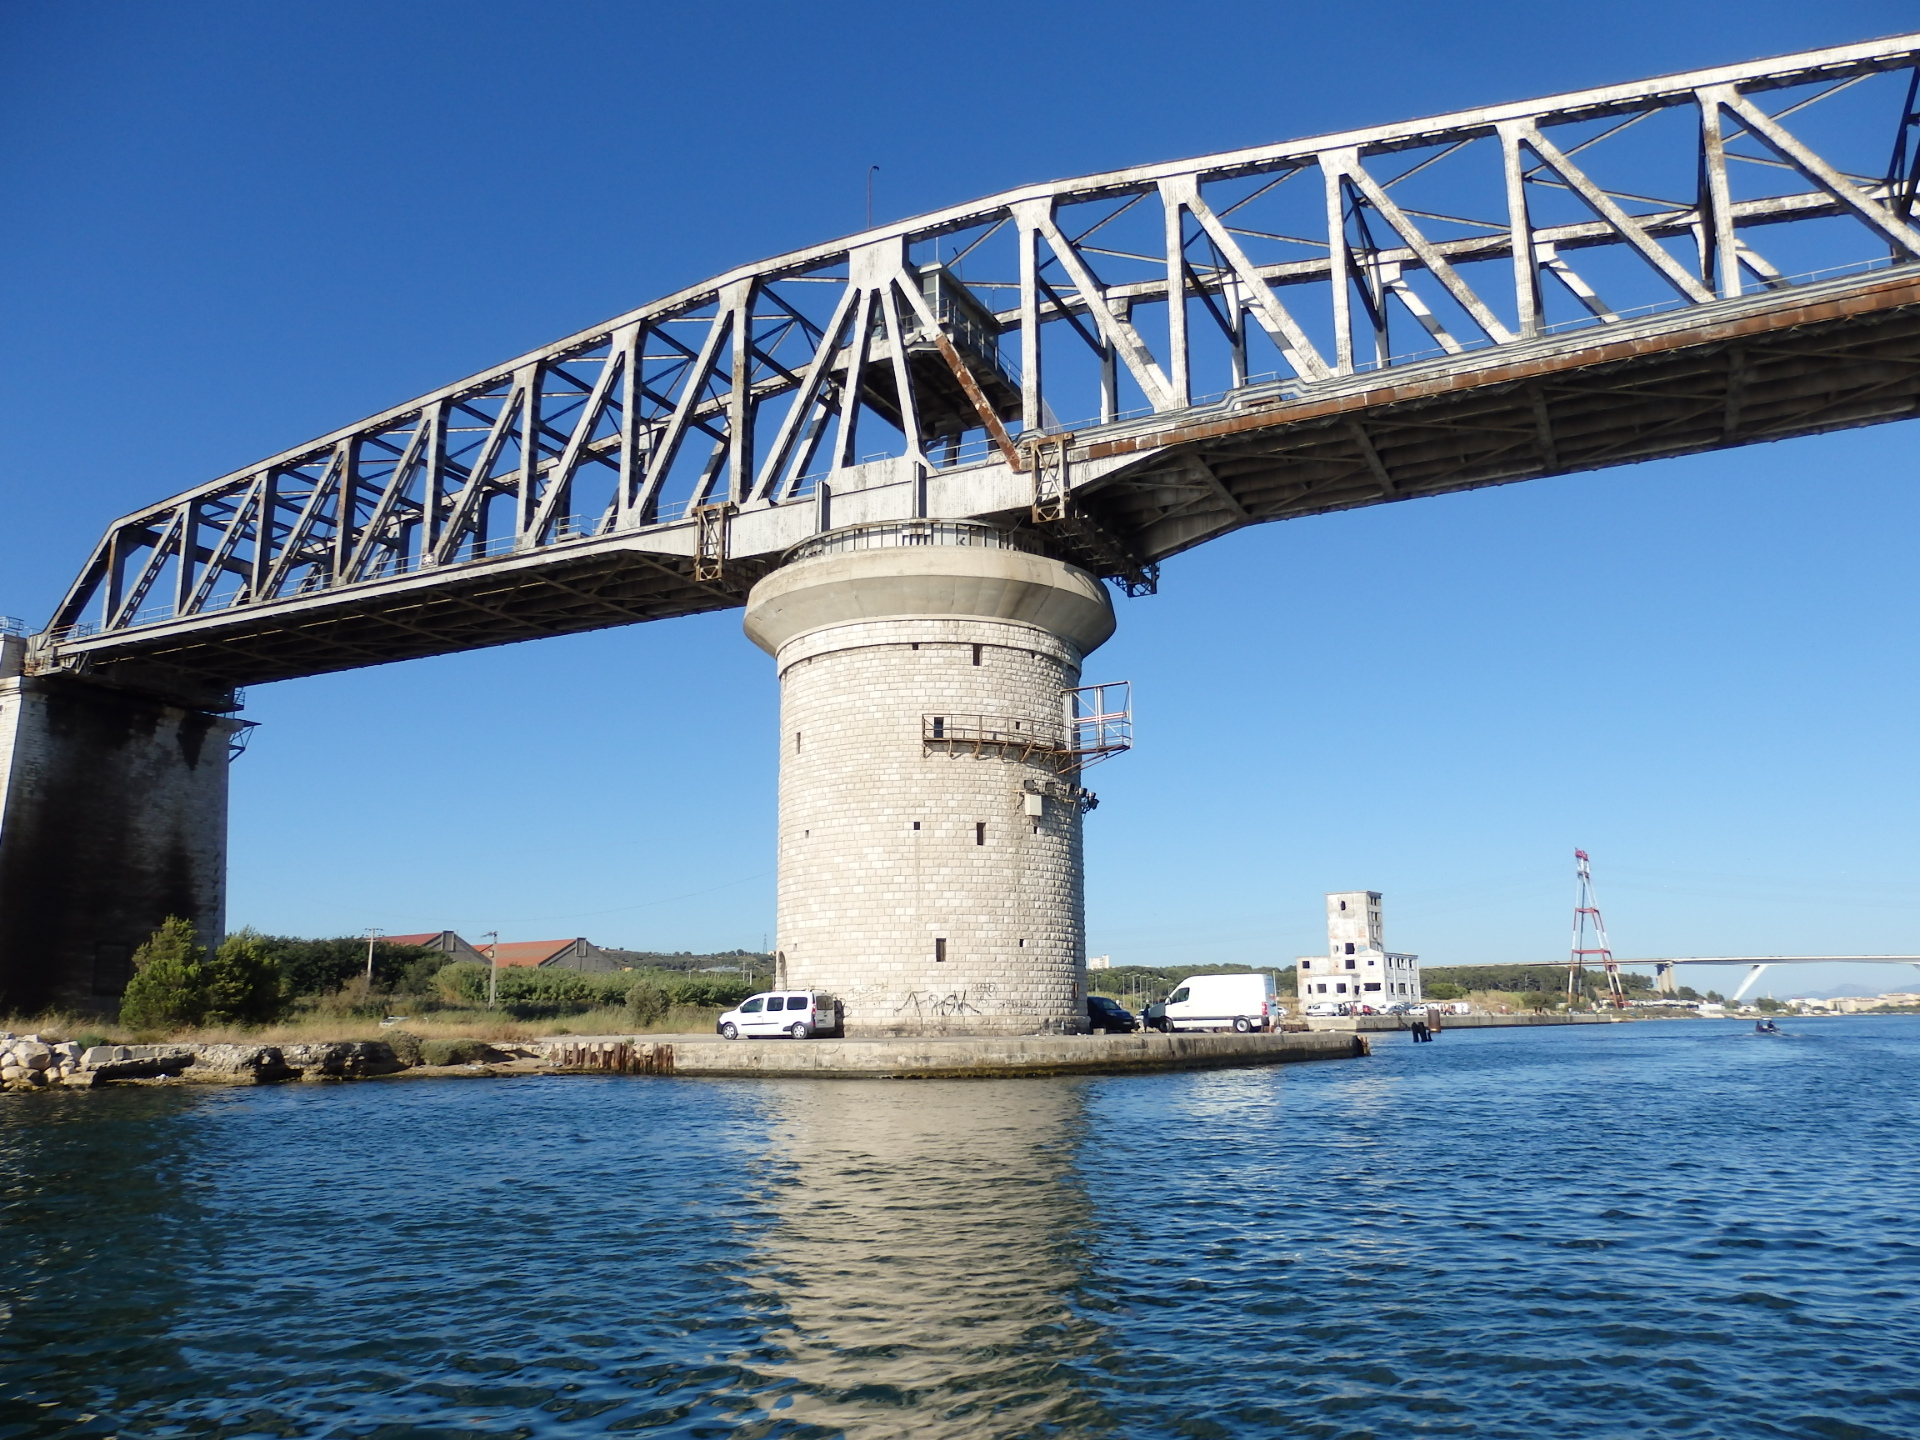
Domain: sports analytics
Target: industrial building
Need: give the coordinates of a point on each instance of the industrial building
(1358, 968)
(574, 953)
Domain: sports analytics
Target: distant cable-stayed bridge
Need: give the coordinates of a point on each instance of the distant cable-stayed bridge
(1120, 367)
(1757, 965)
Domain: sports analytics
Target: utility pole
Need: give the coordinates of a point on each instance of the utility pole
(374, 932)
(1586, 913)
(493, 969)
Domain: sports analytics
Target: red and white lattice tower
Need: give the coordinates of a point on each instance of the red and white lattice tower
(1590, 937)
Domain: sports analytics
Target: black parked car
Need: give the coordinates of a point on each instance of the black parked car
(1109, 1017)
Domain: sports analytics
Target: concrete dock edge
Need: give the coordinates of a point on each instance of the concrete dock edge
(940, 1058)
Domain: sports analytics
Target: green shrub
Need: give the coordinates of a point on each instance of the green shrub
(537, 993)
(534, 993)
(461, 983)
(707, 991)
(1443, 990)
(176, 984)
(456, 1052)
(406, 1046)
(242, 982)
(319, 967)
(647, 1003)
(168, 989)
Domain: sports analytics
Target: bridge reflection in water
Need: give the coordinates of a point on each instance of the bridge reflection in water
(930, 1242)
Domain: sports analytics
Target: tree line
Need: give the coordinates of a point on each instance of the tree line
(255, 979)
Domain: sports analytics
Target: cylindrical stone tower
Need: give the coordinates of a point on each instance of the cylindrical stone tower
(922, 670)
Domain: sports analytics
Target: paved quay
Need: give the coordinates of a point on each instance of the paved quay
(932, 1057)
(942, 1057)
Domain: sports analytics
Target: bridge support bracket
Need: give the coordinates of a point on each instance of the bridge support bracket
(713, 528)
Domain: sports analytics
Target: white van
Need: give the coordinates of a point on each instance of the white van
(1220, 1002)
(798, 1013)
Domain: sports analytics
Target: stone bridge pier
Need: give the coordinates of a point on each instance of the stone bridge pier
(113, 816)
(930, 863)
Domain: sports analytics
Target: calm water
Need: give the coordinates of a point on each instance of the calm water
(1678, 1228)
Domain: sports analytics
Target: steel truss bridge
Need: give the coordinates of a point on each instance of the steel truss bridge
(1120, 367)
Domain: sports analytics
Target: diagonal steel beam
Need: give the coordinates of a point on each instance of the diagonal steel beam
(1347, 163)
(1605, 206)
(1788, 147)
(1120, 334)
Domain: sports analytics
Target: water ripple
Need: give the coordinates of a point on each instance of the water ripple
(1653, 1228)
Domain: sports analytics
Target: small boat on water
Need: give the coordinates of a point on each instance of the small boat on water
(1767, 1027)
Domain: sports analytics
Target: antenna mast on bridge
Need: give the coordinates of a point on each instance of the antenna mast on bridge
(1586, 912)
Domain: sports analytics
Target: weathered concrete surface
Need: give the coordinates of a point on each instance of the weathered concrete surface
(113, 816)
(935, 887)
(342, 1059)
(238, 1065)
(104, 1064)
(951, 1057)
(1371, 1024)
(217, 1064)
(929, 581)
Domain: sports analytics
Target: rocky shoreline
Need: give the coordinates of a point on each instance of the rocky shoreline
(29, 1063)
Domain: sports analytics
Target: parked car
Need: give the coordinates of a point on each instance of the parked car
(1109, 1017)
(1218, 1002)
(797, 1013)
(1321, 1009)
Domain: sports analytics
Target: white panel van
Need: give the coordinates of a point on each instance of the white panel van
(800, 1015)
(1221, 1002)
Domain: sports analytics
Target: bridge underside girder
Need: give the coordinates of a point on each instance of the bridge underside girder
(1819, 365)
(344, 630)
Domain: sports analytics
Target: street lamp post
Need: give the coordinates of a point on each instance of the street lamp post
(493, 969)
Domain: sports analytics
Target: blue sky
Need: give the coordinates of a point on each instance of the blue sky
(231, 227)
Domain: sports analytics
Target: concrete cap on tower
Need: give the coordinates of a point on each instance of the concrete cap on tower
(938, 577)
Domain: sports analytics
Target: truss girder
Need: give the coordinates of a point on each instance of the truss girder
(1406, 312)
